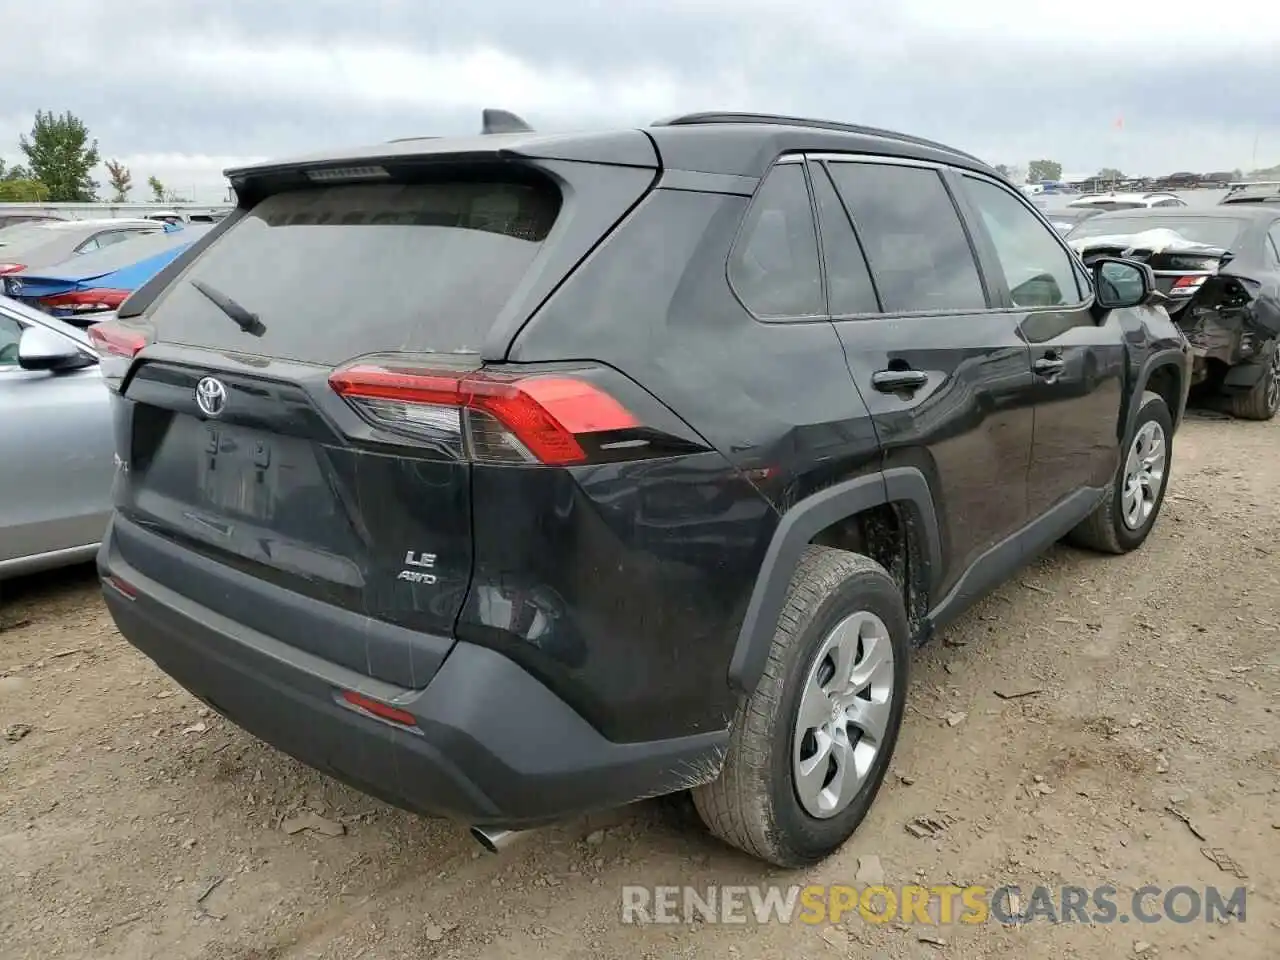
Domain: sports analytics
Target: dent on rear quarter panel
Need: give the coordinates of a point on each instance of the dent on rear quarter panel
(775, 400)
(616, 585)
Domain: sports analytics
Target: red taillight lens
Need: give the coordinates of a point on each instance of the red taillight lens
(86, 301)
(11, 267)
(117, 345)
(486, 416)
(1188, 283)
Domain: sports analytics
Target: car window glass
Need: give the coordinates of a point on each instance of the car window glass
(1273, 236)
(10, 334)
(774, 264)
(849, 287)
(1084, 280)
(1037, 269)
(93, 243)
(115, 236)
(919, 254)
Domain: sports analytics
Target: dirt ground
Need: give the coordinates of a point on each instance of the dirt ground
(133, 824)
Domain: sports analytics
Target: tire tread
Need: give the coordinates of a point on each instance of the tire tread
(734, 807)
(1252, 405)
(1100, 530)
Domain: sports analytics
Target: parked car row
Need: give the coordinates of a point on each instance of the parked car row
(79, 269)
(1219, 268)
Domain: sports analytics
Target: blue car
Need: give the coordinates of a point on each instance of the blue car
(94, 283)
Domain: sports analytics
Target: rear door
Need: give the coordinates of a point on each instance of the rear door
(241, 449)
(1078, 361)
(945, 374)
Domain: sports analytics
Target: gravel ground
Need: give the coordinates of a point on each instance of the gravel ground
(133, 824)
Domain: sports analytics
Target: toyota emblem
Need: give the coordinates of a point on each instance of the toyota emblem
(211, 396)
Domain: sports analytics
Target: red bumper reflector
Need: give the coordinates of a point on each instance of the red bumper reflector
(379, 709)
(123, 587)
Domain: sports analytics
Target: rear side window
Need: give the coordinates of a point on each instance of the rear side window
(918, 251)
(1037, 268)
(774, 264)
(849, 287)
(341, 271)
(1273, 238)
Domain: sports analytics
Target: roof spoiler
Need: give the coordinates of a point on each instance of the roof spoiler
(502, 121)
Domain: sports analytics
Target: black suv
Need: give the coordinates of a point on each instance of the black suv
(516, 476)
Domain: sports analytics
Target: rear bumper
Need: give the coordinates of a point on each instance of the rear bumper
(492, 746)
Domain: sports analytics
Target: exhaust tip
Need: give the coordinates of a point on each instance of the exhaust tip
(492, 840)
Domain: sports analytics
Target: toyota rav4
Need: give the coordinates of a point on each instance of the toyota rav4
(516, 476)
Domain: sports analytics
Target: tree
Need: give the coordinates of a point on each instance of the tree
(121, 180)
(18, 186)
(1004, 170)
(23, 190)
(60, 156)
(1109, 174)
(13, 173)
(157, 189)
(1041, 170)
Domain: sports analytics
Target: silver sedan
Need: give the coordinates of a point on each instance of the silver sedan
(57, 455)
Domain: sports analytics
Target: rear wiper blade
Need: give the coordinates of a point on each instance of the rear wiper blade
(245, 319)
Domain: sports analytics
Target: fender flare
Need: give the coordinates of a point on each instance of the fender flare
(1171, 356)
(799, 525)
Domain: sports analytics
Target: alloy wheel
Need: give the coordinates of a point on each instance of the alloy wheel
(1144, 474)
(843, 717)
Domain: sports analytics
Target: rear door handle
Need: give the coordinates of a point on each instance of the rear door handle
(895, 381)
(1049, 366)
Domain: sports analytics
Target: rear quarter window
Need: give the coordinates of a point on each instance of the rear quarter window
(340, 271)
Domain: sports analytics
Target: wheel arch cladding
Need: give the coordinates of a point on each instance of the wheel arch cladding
(1166, 380)
(902, 488)
(1164, 374)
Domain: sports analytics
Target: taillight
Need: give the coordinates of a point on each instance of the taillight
(1187, 284)
(486, 416)
(85, 301)
(11, 267)
(117, 345)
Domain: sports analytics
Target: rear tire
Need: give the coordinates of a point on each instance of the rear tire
(784, 794)
(1262, 402)
(1122, 521)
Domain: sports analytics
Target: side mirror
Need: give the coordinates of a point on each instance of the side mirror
(1122, 283)
(41, 349)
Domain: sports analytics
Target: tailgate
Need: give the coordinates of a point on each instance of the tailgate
(357, 542)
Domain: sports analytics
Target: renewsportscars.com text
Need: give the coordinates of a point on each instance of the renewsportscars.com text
(931, 905)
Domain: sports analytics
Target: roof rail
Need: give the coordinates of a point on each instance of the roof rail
(502, 121)
(693, 119)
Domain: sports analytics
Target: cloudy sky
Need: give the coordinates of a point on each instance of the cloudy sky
(182, 89)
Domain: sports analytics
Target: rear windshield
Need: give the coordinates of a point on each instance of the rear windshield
(137, 248)
(1214, 231)
(337, 272)
(24, 236)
